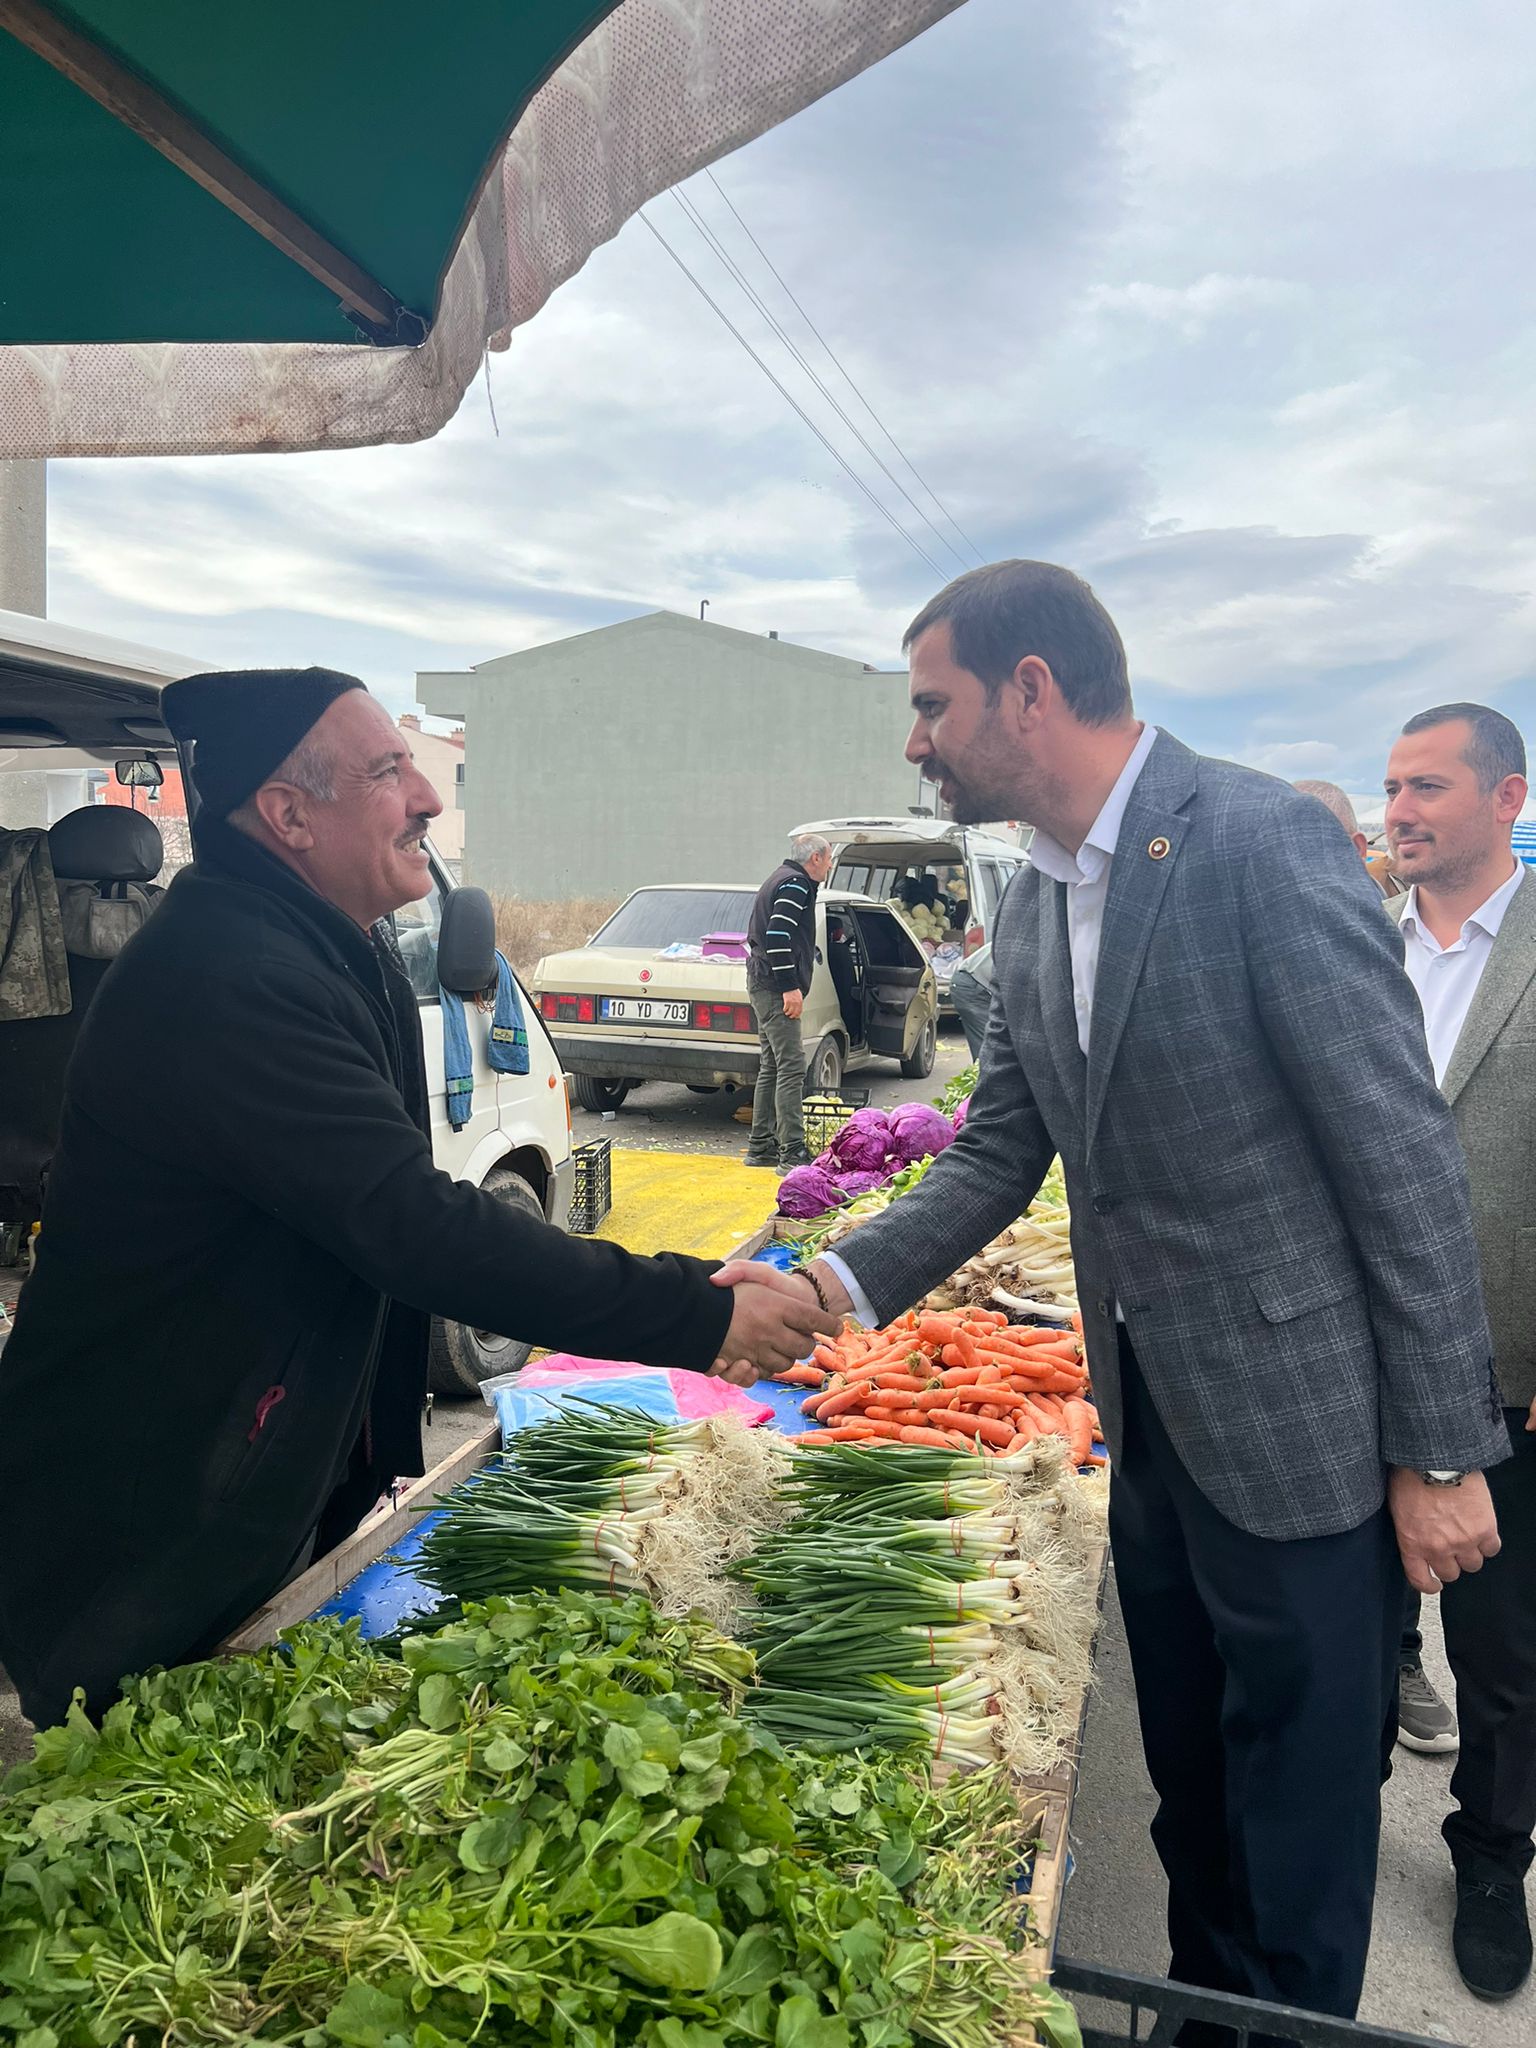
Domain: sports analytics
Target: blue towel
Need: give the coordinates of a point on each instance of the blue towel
(507, 1050)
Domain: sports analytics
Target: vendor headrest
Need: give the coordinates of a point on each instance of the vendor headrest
(244, 722)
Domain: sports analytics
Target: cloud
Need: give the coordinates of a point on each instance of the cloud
(1229, 311)
(1192, 308)
(1296, 759)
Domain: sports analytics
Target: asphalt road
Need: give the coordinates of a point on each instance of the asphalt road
(664, 1116)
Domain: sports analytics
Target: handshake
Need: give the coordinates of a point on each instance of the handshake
(776, 1318)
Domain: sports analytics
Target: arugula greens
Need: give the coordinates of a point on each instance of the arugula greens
(543, 1823)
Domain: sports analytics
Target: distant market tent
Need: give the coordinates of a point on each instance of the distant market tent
(281, 224)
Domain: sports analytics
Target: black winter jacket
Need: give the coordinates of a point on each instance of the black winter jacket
(223, 1347)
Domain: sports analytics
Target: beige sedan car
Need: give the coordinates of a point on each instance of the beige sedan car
(660, 994)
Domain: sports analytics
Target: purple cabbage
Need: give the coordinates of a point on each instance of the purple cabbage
(807, 1191)
(962, 1111)
(864, 1143)
(919, 1131)
(852, 1185)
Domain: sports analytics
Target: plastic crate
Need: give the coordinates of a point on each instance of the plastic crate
(1168, 2006)
(593, 1197)
(824, 1115)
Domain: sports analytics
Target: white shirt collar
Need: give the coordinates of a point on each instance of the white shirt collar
(1097, 849)
(1486, 918)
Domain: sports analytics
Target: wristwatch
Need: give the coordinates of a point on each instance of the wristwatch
(1442, 1478)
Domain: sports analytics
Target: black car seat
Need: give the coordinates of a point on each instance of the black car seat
(104, 859)
(847, 977)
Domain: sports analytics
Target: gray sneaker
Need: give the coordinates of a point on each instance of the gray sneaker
(1424, 1721)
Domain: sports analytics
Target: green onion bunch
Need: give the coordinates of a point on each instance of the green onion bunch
(560, 1508)
(878, 1605)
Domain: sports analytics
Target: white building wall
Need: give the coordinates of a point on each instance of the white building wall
(664, 749)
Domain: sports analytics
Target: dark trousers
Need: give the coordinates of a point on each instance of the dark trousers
(1490, 1639)
(1411, 1648)
(973, 1005)
(778, 1126)
(1265, 1681)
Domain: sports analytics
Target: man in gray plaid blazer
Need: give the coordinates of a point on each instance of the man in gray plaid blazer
(1199, 1005)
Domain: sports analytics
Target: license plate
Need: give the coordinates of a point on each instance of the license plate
(642, 1010)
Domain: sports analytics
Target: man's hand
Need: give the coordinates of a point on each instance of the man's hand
(838, 1298)
(1530, 1420)
(1442, 1531)
(776, 1320)
(794, 1284)
(794, 1002)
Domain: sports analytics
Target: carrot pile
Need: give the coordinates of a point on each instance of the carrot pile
(965, 1380)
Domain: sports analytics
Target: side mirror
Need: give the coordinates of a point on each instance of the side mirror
(466, 942)
(143, 774)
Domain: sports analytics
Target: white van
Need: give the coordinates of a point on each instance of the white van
(947, 878)
(80, 727)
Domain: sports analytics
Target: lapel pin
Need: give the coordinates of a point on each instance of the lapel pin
(1159, 849)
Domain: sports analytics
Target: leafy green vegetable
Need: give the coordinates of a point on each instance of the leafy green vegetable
(958, 1088)
(542, 1823)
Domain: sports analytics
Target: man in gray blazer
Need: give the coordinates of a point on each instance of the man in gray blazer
(1455, 785)
(1286, 1337)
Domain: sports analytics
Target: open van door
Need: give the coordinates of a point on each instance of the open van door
(896, 976)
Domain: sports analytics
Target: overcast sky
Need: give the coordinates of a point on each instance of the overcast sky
(1230, 310)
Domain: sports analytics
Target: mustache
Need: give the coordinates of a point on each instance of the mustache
(417, 829)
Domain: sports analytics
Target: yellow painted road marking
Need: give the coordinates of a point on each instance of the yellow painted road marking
(686, 1202)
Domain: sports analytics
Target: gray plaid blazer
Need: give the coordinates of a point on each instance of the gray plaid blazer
(1266, 1179)
(1490, 1083)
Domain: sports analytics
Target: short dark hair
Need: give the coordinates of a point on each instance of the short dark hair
(998, 615)
(1495, 748)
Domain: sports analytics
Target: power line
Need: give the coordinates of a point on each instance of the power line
(885, 513)
(735, 270)
(842, 372)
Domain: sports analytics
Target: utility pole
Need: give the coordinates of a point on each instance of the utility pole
(24, 537)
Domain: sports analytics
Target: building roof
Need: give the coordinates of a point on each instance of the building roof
(649, 624)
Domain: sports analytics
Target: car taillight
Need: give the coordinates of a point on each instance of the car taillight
(723, 1017)
(586, 1010)
(564, 1009)
(549, 1008)
(975, 939)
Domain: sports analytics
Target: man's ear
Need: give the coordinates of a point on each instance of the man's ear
(284, 810)
(1032, 687)
(1509, 798)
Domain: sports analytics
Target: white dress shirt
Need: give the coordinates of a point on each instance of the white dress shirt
(1446, 977)
(1086, 874)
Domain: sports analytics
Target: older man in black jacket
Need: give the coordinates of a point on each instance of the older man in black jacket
(221, 1357)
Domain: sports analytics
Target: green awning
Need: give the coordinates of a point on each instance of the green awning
(373, 122)
(298, 223)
